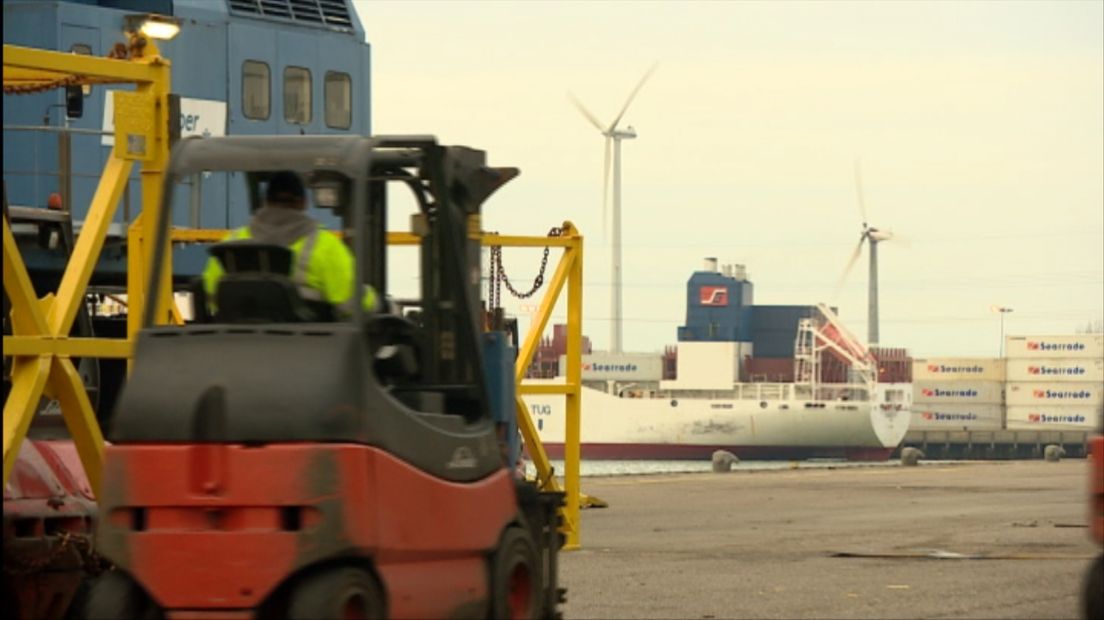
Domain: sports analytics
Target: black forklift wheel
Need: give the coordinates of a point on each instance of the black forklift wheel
(114, 595)
(514, 591)
(338, 593)
(1093, 594)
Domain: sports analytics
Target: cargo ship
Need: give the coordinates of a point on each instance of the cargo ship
(821, 398)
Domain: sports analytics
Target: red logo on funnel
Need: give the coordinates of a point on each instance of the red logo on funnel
(713, 296)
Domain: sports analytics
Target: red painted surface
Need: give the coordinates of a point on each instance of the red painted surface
(674, 452)
(216, 532)
(47, 494)
(768, 369)
(1096, 490)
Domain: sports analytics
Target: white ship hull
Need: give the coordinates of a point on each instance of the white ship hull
(680, 427)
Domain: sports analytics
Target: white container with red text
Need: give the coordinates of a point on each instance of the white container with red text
(1069, 370)
(958, 369)
(1053, 418)
(1085, 346)
(952, 417)
(957, 392)
(1090, 394)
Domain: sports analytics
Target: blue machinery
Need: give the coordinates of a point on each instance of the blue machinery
(285, 69)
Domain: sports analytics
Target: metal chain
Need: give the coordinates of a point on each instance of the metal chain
(119, 51)
(498, 273)
(92, 562)
(28, 89)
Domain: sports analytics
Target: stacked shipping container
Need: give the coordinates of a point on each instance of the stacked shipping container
(957, 394)
(1055, 382)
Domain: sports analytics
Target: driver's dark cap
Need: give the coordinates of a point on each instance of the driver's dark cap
(285, 187)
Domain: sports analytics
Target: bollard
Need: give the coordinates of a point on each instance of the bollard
(910, 457)
(1053, 453)
(723, 460)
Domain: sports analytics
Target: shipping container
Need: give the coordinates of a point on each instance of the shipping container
(1084, 346)
(1054, 393)
(957, 392)
(768, 369)
(958, 369)
(618, 367)
(944, 417)
(1054, 417)
(1069, 370)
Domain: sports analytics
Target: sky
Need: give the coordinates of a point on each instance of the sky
(979, 127)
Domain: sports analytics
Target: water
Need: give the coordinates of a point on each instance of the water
(638, 468)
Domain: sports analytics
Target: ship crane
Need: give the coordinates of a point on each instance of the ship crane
(830, 335)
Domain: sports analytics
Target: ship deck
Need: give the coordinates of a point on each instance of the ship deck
(758, 544)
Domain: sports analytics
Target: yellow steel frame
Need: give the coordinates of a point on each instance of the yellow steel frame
(569, 272)
(40, 345)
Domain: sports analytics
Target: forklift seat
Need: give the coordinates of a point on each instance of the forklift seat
(257, 287)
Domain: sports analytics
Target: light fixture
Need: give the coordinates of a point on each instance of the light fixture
(161, 27)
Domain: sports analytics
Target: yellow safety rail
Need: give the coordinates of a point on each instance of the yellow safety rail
(40, 344)
(568, 272)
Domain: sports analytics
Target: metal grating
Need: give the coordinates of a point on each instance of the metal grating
(333, 13)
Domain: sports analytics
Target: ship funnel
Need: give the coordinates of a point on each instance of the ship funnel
(711, 264)
(739, 272)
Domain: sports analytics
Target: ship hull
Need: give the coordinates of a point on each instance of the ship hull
(682, 427)
(681, 452)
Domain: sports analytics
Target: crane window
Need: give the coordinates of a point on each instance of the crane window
(339, 100)
(255, 90)
(297, 95)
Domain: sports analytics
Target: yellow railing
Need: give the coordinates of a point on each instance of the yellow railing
(40, 346)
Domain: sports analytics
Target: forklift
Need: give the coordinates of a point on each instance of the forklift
(276, 457)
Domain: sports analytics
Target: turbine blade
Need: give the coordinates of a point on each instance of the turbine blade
(859, 191)
(632, 96)
(900, 239)
(850, 265)
(590, 117)
(605, 189)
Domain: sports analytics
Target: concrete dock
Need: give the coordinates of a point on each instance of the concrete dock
(758, 545)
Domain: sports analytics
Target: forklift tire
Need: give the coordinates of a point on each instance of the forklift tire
(515, 593)
(1092, 596)
(337, 593)
(114, 595)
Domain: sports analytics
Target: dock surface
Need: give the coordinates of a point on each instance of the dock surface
(758, 545)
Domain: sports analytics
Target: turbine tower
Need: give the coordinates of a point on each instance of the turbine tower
(614, 136)
(874, 236)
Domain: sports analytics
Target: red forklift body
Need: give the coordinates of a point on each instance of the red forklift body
(216, 527)
(278, 459)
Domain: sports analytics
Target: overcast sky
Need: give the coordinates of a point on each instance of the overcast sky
(980, 127)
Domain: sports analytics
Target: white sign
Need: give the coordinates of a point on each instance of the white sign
(198, 117)
(623, 367)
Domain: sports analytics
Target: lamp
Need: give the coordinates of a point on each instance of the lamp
(152, 25)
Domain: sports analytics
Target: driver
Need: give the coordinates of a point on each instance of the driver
(323, 267)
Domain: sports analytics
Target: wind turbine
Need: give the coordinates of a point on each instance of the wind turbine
(874, 236)
(614, 136)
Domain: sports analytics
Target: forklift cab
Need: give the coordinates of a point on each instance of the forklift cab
(402, 372)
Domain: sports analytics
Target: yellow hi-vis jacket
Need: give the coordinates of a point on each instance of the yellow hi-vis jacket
(323, 269)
